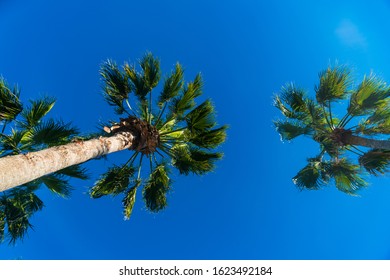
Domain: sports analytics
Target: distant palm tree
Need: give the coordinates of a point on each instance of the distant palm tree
(25, 129)
(174, 131)
(362, 132)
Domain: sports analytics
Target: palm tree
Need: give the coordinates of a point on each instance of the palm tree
(27, 129)
(361, 134)
(158, 132)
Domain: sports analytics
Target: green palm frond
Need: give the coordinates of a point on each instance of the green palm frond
(369, 95)
(117, 87)
(172, 85)
(346, 176)
(210, 139)
(50, 133)
(156, 189)
(74, 171)
(377, 123)
(375, 161)
(312, 176)
(334, 83)
(151, 70)
(33, 114)
(289, 130)
(186, 101)
(11, 144)
(139, 85)
(201, 118)
(15, 210)
(129, 199)
(113, 182)
(57, 184)
(292, 102)
(10, 105)
(191, 160)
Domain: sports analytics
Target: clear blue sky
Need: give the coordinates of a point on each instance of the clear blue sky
(248, 208)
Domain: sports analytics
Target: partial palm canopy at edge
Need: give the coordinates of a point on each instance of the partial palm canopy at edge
(350, 147)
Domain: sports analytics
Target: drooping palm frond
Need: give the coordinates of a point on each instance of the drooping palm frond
(312, 176)
(10, 104)
(156, 189)
(369, 95)
(375, 161)
(74, 171)
(15, 210)
(334, 83)
(129, 199)
(113, 182)
(376, 124)
(346, 176)
(57, 184)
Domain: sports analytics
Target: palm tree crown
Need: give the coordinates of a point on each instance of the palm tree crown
(361, 133)
(170, 130)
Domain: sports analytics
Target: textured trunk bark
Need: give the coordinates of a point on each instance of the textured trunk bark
(20, 169)
(371, 143)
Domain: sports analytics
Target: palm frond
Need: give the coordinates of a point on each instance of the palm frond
(113, 182)
(334, 83)
(201, 118)
(210, 139)
(151, 70)
(129, 199)
(74, 171)
(186, 100)
(2, 222)
(57, 184)
(116, 85)
(312, 176)
(375, 161)
(289, 130)
(369, 95)
(139, 85)
(11, 143)
(377, 123)
(346, 176)
(51, 133)
(156, 189)
(190, 160)
(172, 85)
(10, 105)
(33, 114)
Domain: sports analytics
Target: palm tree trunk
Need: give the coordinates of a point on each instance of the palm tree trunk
(365, 142)
(20, 169)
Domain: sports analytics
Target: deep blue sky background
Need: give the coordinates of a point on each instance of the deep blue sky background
(246, 50)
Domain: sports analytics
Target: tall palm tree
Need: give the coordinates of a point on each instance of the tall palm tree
(361, 134)
(157, 131)
(26, 129)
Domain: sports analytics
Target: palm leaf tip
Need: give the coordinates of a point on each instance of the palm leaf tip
(201, 118)
(151, 70)
(172, 86)
(129, 199)
(34, 113)
(156, 189)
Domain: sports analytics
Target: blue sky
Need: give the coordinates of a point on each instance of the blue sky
(246, 50)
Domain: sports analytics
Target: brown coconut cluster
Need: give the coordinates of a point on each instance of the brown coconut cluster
(339, 136)
(146, 136)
